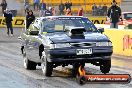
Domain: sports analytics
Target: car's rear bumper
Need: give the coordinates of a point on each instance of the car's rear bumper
(69, 55)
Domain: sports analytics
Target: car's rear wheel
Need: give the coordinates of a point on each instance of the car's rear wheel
(30, 65)
(47, 67)
(75, 68)
(105, 66)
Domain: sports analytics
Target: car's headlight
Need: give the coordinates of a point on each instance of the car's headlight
(103, 44)
(110, 43)
(52, 46)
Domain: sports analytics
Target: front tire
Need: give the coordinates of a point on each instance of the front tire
(47, 67)
(105, 66)
(29, 65)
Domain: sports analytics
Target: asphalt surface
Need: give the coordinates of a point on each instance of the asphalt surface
(13, 4)
(13, 74)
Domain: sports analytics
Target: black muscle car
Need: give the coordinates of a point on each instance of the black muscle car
(65, 40)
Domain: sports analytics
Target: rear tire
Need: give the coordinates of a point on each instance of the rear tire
(29, 65)
(75, 68)
(105, 66)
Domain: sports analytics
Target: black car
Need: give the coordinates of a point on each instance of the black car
(65, 40)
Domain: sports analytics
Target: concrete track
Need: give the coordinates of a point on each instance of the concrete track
(13, 74)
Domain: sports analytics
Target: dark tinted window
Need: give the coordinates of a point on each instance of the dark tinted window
(59, 24)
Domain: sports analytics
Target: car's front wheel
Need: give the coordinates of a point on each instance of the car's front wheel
(47, 67)
(27, 63)
(105, 66)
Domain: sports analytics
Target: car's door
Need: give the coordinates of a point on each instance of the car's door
(32, 46)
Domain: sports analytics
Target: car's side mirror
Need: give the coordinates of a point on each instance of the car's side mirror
(34, 32)
(101, 30)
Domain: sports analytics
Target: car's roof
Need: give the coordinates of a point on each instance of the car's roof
(61, 16)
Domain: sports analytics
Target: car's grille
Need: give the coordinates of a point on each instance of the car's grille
(82, 44)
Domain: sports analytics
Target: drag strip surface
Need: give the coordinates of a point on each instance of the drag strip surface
(13, 74)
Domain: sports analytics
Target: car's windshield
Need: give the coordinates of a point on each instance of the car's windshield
(128, 16)
(59, 24)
